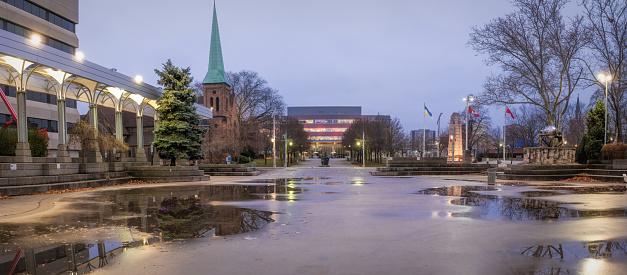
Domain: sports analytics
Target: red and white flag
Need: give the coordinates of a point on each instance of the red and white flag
(471, 111)
(507, 111)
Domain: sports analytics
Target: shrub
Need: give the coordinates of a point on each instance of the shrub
(8, 141)
(37, 141)
(613, 151)
(243, 159)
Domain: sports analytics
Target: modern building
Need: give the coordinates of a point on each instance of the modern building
(326, 125)
(417, 144)
(43, 76)
(54, 22)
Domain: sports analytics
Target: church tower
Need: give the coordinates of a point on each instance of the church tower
(217, 94)
(216, 88)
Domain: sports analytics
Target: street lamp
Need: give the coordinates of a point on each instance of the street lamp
(273, 141)
(605, 78)
(469, 98)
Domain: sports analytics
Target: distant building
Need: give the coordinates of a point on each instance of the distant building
(326, 125)
(417, 142)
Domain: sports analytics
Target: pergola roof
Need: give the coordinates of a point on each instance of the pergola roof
(41, 68)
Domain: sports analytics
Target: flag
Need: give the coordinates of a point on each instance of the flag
(428, 113)
(471, 111)
(507, 111)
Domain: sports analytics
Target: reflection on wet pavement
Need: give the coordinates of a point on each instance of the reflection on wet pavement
(96, 225)
(578, 250)
(496, 207)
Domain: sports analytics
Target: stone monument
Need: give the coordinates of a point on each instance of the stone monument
(456, 139)
(551, 150)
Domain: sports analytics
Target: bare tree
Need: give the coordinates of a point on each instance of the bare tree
(477, 125)
(538, 52)
(606, 21)
(524, 132)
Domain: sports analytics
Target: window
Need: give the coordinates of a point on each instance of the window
(70, 103)
(42, 13)
(211, 102)
(217, 104)
(21, 31)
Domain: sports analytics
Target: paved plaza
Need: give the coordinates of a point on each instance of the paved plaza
(336, 220)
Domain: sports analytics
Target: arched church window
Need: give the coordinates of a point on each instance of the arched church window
(211, 102)
(217, 104)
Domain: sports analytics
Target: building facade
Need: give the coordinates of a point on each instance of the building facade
(325, 126)
(417, 144)
(54, 22)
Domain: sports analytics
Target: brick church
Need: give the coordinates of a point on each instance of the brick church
(217, 95)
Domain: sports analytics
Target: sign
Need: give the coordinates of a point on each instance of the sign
(13, 167)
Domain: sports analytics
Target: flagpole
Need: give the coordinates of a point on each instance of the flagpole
(424, 130)
(504, 129)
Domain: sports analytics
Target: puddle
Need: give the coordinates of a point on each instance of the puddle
(93, 227)
(611, 249)
(494, 207)
(456, 191)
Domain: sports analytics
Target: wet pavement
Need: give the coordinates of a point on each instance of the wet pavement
(308, 219)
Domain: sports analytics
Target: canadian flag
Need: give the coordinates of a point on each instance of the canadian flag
(507, 111)
(471, 111)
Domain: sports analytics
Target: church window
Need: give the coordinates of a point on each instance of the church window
(217, 104)
(211, 102)
(214, 92)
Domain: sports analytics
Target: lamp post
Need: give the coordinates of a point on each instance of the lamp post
(273, 141)
(285, 160)
(469, 98)
(438, 137)
(605, 78)
(363, 148)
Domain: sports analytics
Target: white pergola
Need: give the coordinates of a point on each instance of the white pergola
(26, 64)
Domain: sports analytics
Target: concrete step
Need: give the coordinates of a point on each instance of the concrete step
(40, 188)
(443, 169)
(37, 180)
(253, 173)
(422, 173)
(174, 179)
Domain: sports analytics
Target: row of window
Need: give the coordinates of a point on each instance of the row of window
(325, 129)
(325, 138)
(52, 126)
(309, 121)
(22, 31)
(42, 13)
(37, 96)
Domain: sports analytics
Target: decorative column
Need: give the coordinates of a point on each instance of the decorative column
(63, 155)
(22, 150)
(118, 125)
(93, 154)
(141, 154)
(155, 157)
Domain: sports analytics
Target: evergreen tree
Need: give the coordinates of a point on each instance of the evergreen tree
(178, 134)
(592, 142)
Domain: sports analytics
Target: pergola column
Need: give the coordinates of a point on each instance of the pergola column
(22, 150)
(155, 156)
(93, 155)
(63, 155)
(118, 125)
(140, 156)
(93, 115)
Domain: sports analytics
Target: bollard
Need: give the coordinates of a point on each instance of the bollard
(491, 176)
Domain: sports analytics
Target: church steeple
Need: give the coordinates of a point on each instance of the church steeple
(577, 108)
(215, 74)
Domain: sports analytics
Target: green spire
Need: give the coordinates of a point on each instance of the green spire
(216, 64)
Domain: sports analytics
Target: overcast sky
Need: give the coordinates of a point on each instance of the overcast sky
(386, 56)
